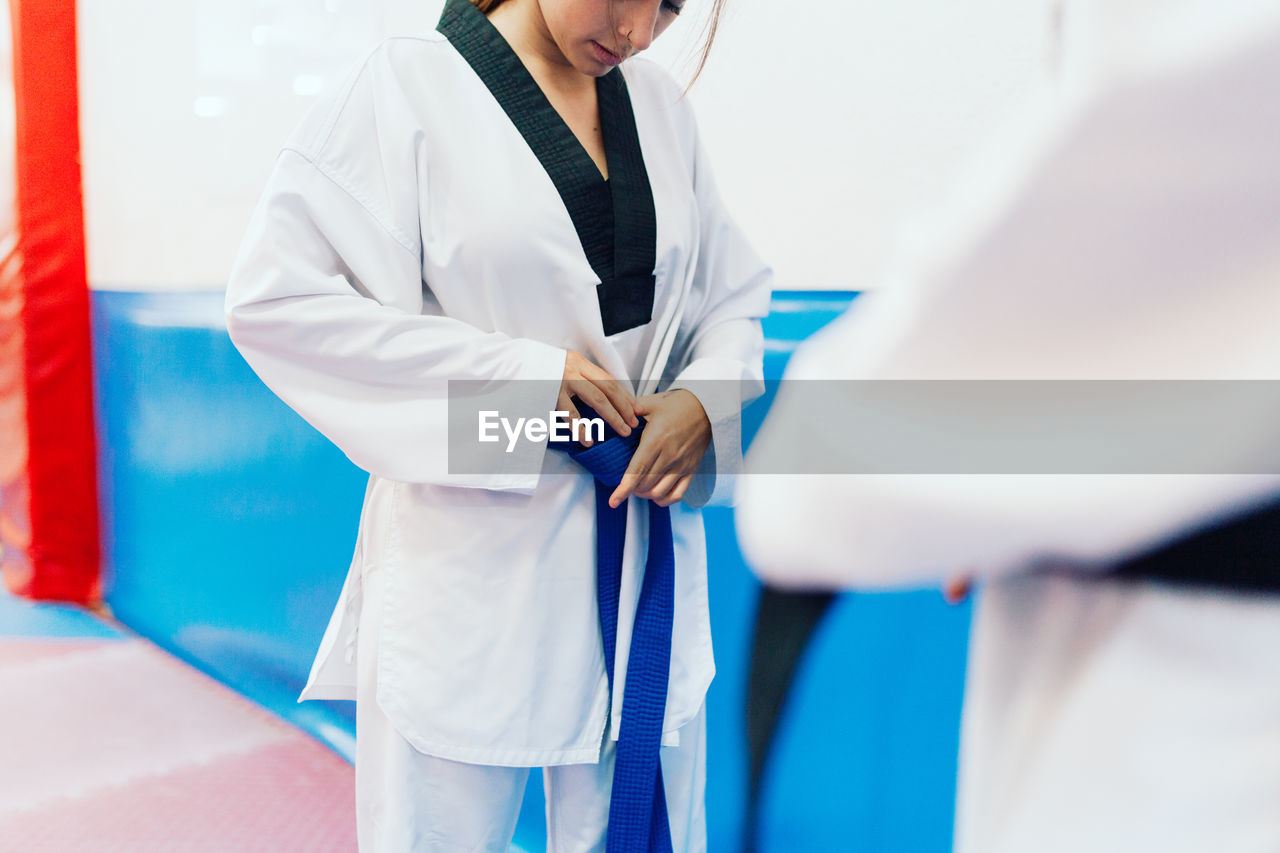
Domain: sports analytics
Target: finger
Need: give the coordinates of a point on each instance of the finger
(567, 416)
(617, 392)
(657, 464)
(565, 404)
(593, 396)
(661, 488)
(626, 487)
(957, 589)
(602, 377)
(636, 471)
(678, 493)
(590, 395)
(619, 395)
(649, 403)
(583, 430)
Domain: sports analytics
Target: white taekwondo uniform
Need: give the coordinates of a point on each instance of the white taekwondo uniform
(1132, 232)
(409, 236)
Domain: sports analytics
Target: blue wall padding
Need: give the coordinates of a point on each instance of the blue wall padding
(868, 746)
(231, 522)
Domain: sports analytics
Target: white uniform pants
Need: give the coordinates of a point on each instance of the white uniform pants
(408, 801)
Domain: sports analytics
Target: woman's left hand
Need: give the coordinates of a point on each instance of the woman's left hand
(676, 435)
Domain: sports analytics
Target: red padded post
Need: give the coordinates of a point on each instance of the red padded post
(48, 460)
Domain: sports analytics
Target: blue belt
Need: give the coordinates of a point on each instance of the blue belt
(638, 804)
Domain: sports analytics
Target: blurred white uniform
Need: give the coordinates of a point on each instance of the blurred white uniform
(1132, 232)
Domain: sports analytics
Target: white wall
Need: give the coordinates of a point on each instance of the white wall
(829, 120)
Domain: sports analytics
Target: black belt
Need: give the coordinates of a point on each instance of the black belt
(1241, 554)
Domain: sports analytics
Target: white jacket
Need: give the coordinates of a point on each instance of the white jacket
(408, 236)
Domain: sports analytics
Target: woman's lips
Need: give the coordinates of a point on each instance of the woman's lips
(605, 55)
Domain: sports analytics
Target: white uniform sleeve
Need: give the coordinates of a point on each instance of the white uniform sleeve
(720, 350)
(324, 302)
(1110, 261)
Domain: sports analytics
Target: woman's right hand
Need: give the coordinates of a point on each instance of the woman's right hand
(593, 385)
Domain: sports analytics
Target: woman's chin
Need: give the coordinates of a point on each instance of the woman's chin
(592, 69)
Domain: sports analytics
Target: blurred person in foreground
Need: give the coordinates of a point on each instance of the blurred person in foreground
(1128, 699)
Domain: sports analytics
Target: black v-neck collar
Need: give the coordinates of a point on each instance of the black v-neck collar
(621, 247)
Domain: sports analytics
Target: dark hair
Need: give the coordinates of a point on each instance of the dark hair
(708, 31)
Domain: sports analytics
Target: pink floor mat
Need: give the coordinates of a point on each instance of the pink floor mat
(113, 745)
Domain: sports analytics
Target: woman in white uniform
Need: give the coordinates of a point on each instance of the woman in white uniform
(512, 198)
